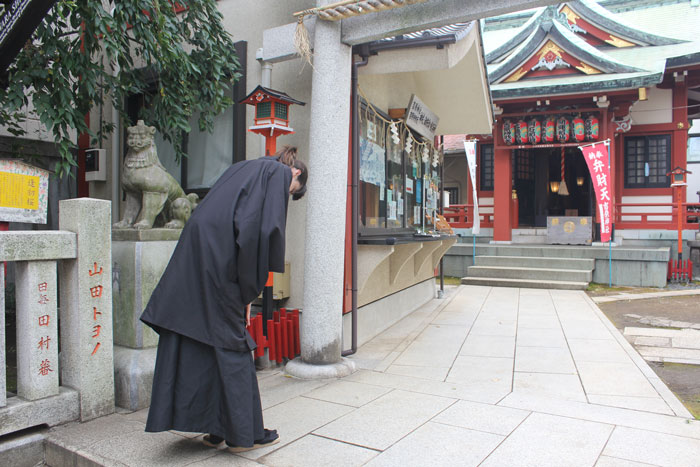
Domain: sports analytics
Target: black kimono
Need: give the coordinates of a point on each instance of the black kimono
(205, 379)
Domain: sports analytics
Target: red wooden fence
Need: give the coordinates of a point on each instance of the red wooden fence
(460, 216)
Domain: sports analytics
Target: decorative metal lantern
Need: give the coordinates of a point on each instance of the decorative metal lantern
(522, 132)
(271, 115)
(534, 131)
(591, 128)
(577, 129)
(550, 126)
(563, 130)
(508, 132)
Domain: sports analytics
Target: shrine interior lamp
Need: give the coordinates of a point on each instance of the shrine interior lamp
(554, 186)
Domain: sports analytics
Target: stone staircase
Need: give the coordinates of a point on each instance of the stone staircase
(540, 272)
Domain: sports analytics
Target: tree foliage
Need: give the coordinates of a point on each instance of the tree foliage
(87, 51)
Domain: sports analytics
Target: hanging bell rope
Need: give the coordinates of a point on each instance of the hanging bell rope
(337, 11)
(563, 191)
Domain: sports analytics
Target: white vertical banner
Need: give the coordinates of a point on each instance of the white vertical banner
(470, 150)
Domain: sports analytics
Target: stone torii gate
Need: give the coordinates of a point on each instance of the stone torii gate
(332, 41)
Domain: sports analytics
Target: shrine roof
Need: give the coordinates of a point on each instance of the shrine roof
(608, 52)
(567, 40)
(271, 92)
(616, 25)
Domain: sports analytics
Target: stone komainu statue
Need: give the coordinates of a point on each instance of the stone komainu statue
(152, 193)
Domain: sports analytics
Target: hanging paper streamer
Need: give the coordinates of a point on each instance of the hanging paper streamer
(394, 133)
(436, 158)
(598, 161)
(470, 151)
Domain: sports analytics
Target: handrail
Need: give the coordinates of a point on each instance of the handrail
(641, 218)
(461, 215)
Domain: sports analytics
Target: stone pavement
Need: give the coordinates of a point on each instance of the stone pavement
(486, 376)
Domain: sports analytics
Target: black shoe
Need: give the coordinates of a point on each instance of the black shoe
(271, 437)
(212, 441)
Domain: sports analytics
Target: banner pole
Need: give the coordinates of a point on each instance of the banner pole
(612, 227)
(470, 146)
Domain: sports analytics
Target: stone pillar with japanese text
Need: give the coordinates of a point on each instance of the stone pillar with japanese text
(37, 329)
(87, 362)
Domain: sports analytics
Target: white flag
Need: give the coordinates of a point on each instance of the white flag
(470, 150)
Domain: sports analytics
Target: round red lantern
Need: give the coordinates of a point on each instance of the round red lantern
(563, 129)
(522, 132)
(508, 132)
(534, 131)
(549, 130)
(577, 129)
(591, 128)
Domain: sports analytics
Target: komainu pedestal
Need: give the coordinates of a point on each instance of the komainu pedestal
(140, 257)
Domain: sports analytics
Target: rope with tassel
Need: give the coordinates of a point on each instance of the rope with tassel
(563, 190)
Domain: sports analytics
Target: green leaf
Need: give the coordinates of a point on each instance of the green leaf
(63, 72)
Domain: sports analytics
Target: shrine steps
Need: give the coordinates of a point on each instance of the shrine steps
(23, 448)
(629, 266)
(531, 271)
(524, 283)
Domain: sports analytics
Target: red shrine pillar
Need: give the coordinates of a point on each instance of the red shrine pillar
(502, 195)
(680, 132)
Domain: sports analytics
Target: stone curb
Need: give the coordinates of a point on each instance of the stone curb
(639, 296)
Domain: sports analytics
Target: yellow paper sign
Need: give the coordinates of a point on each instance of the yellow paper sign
(19, 191)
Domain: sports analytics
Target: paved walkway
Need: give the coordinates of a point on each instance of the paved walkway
(486, 376)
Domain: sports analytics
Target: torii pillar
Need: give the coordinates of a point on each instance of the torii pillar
(321, 323)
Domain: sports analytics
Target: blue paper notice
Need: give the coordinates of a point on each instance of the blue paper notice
(419, 192)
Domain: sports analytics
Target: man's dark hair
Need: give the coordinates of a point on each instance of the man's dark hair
(303, 176)
(288, 156)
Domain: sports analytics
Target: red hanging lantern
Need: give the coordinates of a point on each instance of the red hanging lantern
(522, 132)
(549, 130)
(591, 128)
(577, 129)
(508, 132)
(563, 129)
(534, 131)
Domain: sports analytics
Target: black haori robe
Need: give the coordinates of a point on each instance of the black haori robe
(204, 379)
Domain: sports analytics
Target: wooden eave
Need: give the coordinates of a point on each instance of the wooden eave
(600, 23)
(277, 95)
(590, 60)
